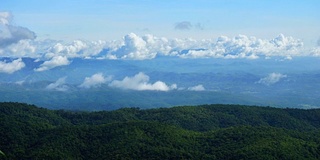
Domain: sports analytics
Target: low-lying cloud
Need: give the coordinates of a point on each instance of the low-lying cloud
(10, 67)
(140, 82)
(272, 78)
(94, 81)
(59, 85)
(53, 62)
(197, 88)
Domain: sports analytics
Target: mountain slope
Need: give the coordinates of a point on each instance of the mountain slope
(187, 132)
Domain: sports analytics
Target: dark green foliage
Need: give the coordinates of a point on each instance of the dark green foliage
(201, 132)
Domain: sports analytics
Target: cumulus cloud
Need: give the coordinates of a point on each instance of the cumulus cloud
(53, 62)
(247, 47)
(5, 18)
(16, 41)
(23, 48)
(140, 82)
(10, 67)
(316, 51)
(241, 46)
(272, 78)
(77, 48)
(135, 48)
(59, 85)
(140, 48)
(94, 81)
(197, 88)
(10, 34)
(184, 25)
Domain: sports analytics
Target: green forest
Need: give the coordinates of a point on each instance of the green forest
(183, 132)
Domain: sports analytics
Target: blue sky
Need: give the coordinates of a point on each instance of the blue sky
(47, 36)
(112, 19)
(58, 31)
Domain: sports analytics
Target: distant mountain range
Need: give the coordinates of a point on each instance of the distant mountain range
(163, 82)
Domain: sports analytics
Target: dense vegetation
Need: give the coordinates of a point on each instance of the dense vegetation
(186, 132)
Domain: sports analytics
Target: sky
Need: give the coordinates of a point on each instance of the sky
(58, 31)
(42, 35)
(199, 19)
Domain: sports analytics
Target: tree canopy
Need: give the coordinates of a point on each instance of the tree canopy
(185, 132)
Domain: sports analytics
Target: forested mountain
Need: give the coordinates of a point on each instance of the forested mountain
(185, 132)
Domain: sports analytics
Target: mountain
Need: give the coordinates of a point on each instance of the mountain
(185, 132)
(91, 82)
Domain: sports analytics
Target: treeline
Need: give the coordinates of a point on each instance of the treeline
(186, 132)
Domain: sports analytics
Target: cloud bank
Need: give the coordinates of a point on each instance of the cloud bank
(140, 82)
(242, 46)
(272, 78)
(247, 47)
(18, 42)
(10, 67)
(94, 81)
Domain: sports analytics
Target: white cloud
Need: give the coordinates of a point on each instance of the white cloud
(316, 51)
(94, 81)
(140, 82)
(139, 48)
(197, 88)
(5, 18)
(272, 78)
(134, 47)
(23, 48)
(59, 85)
(11, 67)
(247, 47)
(53, 62)
(10, 34)
(148, 47)
(18, 42)
(21, 82)
(77, 48)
